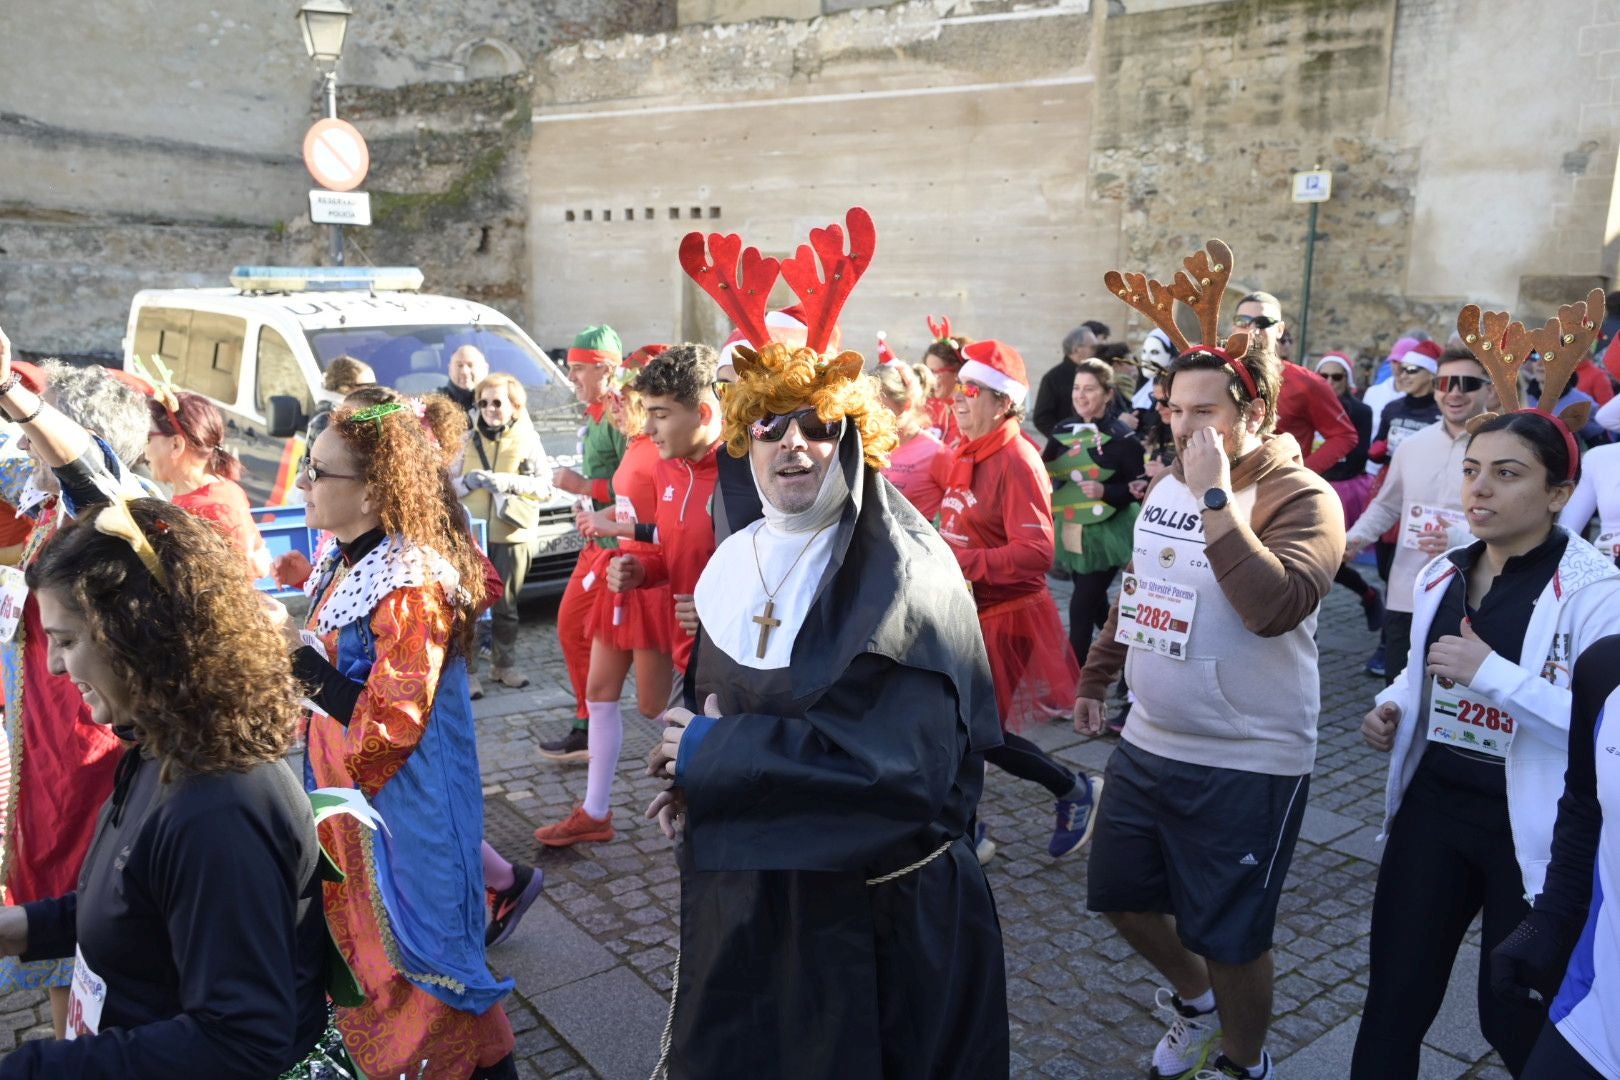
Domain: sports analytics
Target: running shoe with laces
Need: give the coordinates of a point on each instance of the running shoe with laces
(1076, 819)
(508, 906)
(1224, 1068)
(577, 828)
(573, 746)
(1187, 1045)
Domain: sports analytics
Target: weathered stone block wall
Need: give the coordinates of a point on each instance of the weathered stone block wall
(448, 184)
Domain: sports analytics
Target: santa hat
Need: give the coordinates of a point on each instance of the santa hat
(1335, 358)
(1425, 354)
(997, 366)
(885, 354)
(596, 345)
(787, 326)
(638, 359)
(31, 376)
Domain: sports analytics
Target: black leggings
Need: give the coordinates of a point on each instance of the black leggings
(1088, 608)
(1352, 581)
(1025, 760)
(1554, 1059)
(504, 1069)
(1449, 855)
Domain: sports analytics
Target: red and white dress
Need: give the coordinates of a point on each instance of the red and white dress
(640, 618)
(996, 516)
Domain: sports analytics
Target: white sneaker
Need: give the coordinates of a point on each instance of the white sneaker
(1224, 1069)
(1187, 1045)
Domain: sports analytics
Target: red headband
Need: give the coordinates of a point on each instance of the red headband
(1569, 439)
(1236, 365)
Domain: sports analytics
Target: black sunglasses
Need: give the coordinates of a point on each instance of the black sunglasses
(1414, 369)
(1468, 384)
(771, 428)
(1336, 376)
(1259, 322)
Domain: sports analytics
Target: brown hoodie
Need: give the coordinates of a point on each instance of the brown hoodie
(1273, 570)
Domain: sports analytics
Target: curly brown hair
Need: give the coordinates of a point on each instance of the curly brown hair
(406, 474)
(779, 380)
(948, 349)
(223, 698)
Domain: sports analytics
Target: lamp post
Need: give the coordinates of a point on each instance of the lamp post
(324, 24)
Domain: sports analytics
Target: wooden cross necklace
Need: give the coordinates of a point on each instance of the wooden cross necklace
(766, 623)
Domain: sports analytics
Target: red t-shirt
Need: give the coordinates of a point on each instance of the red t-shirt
(226, 505)
(684, 491)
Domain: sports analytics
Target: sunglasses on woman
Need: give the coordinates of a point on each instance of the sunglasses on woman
(1467, 384)
(771, 428)
(971, 390)
(1334, 376)
(1414, 369)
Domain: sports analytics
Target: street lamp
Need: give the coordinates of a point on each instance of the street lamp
(324, 23)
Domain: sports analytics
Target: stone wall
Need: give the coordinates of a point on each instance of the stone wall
(147, 145)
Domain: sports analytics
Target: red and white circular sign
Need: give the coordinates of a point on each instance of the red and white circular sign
(335, 154)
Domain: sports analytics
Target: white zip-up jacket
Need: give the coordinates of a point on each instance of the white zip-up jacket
(1579, 605)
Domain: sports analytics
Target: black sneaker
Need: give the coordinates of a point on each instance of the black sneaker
(571, 747)
(1224, 1067)
(507, 906)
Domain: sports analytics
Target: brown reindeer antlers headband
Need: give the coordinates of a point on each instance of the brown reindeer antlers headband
(1200, 285)
(1502, 347)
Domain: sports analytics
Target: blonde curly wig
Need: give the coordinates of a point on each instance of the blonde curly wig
(777, 380)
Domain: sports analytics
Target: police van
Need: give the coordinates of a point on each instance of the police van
(258, 350)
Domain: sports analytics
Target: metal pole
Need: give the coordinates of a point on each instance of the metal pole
(331, 112)
(1302, 354)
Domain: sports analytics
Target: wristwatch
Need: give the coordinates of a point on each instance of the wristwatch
(1215, 499)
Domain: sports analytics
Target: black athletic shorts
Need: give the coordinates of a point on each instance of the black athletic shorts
(1208, 846)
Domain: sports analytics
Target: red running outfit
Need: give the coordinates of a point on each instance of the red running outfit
(646, 616)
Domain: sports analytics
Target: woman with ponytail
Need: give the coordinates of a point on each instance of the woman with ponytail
(185, 448)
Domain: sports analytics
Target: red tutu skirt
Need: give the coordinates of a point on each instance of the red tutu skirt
(646, 619)
(1355, 493)
(1033, 666)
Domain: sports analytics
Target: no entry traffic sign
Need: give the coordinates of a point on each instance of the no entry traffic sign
(335, 154)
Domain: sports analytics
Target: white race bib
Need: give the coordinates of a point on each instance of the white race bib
(13, 592)
(624, 511)
(1156, 614)
(86, 999)
(1461, 718)
(1608, 542)
(1420, 519)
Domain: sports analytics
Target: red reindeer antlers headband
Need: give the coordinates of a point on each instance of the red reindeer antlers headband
(714, 262)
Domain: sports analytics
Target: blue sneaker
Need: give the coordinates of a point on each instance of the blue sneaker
(1375, 662)
(1076, 818)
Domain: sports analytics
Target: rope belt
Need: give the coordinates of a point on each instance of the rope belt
(661, 1070)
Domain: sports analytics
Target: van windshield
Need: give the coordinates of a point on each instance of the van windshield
(416, 359)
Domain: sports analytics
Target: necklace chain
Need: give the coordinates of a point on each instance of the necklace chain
(770, 593)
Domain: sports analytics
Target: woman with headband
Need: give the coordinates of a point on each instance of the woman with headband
(185, 449)
(1477, 725)
(60, 764)
(384, 660)
(944, 358)
(196, 923)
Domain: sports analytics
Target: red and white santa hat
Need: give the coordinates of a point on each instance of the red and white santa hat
(996, 365)
(885, 355)
(787, 326)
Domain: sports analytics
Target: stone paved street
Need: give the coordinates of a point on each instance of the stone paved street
(592, 961)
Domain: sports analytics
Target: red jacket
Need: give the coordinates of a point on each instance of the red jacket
(1594, 380)
(1000, 529)
(685, 522)
(1308, 405)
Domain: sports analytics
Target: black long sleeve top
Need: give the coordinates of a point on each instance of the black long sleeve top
(1568, 889)
(199, 907)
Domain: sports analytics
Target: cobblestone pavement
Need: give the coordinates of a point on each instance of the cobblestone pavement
(592, 960)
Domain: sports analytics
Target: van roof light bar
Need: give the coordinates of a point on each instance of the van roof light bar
(289, 279)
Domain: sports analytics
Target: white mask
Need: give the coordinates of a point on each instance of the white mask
(1154, 354)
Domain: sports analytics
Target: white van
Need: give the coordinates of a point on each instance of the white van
(258, 350)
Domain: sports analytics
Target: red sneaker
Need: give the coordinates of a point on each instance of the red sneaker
(579, 827)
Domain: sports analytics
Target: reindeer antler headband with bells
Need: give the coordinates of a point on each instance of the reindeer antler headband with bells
(1502, 347)
(821, 274)
(1201, 286)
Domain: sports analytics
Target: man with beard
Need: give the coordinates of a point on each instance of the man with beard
(1234, 549)
(834, 918)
